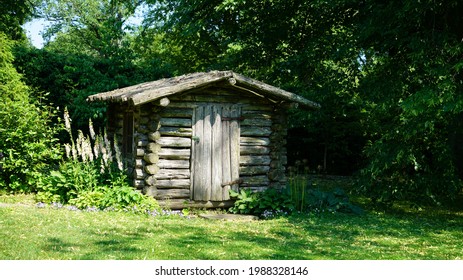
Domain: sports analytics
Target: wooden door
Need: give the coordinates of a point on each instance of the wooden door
(215, 152)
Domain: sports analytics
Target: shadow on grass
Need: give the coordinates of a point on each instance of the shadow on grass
(328, 236)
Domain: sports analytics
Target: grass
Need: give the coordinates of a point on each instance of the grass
(30, 233)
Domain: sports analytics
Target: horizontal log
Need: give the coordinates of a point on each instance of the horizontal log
(171, 193)
(233, 98)
(255, 180)
(152, 169)
(276, 175)
(139, 162)
(254, 150)
(168, 153)
(154, 136)
(176, 131)
(151, 158)
(255, 160)
(153, 147)
(256, 121)
(176, 204)
(254, 141)
(256, 131)
(247, 114)
(180, 142)
(140, 152)
(177, 113)
(139, 173)
(163, 102)
(150, 190)
(173, 174)
(173, 164)
(150, 180)
(139, 184)
(257, 107)
(173, 184)
(177, 122)
(259, 86)
(254, 170)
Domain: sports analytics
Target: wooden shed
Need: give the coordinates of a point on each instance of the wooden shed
(188, 140)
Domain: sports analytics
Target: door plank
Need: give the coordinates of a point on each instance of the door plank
(226, 153)
(235, 112)
(216, 155)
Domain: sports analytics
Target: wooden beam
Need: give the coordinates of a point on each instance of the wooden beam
(252, 84)
(176, 204)
(162, 102)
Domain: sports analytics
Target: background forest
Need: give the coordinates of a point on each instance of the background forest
(388, 74)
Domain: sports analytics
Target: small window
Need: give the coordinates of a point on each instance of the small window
(127, 133)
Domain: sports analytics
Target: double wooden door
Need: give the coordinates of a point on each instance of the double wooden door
(215, 151)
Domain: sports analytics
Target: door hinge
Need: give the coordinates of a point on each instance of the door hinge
(238, 181)
(233, 119)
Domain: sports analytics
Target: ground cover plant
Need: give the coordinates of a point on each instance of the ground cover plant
(29, 232)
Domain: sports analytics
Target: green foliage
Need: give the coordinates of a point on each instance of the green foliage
(69, 181)
(246, 201)
(83, 185)
(92, 176)
(14, 14)
(388, 75)
(26, 139)
(412, 83)
(307, 196)
(261, 203)
(318, 201)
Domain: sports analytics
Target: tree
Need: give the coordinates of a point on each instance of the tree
(99, 27)
(304, 46)
(413, 84)
(14, 14)
(92, 51)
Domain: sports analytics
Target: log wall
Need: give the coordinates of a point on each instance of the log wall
(163, 137)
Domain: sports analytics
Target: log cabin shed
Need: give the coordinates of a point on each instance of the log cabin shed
(188, 140)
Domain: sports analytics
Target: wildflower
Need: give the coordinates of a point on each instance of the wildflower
(67, 121)
(92, 209)
(118, 155)
(57, 205)
(96, 146)
(67, 147)
(91, 130)
(72, 208)
(41, 205)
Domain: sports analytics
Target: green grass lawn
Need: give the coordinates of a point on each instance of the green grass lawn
(28, 232)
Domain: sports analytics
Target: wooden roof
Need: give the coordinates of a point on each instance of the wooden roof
(150, 91)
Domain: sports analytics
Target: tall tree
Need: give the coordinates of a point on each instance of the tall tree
(14, 14)
(98, 26)
(304, 46)
(413, 60)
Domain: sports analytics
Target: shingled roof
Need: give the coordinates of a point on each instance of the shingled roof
(150, 91)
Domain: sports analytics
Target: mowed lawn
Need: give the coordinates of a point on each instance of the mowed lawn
(28, 232)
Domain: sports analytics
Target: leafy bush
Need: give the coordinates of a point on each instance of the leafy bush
(92, 177)
(336, 201)
(27, 141)
(268, 203)
(246, 201)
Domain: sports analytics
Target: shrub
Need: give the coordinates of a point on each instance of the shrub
(92, 176)
(336, 201)
(27, 141)
(269, 203)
